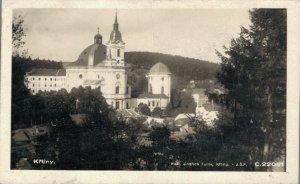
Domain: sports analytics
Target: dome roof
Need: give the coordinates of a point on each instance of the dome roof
(159, 68)
(115, 37)
(91, 56)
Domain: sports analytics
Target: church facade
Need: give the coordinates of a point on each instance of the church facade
(103, 66)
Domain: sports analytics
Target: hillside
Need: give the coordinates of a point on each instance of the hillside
(188, 68)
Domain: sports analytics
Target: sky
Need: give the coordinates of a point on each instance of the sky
(62, 34)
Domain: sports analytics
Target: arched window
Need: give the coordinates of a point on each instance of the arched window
(118, 52)
(117, 90)
(162, 90)
(80, 76)
(150, 90)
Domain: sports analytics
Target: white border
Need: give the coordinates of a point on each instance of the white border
(13, 176)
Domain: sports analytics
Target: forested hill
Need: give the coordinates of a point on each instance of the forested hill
(188, 68)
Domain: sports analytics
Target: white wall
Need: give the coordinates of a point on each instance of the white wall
(45, 83)
(154, 102)
(157, 82)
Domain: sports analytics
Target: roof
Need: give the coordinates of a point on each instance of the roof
(93, 55)
(159, 68)
(20, 135)
(218, 91)
(47, 72)
(184, 116)
(128, 113)
(147, 95)
(115, 35)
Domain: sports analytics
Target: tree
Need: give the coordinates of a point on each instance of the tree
(168, 110)
(157, 112)
(144, 109)
(18, 35)
(187, 103)
(253, 69)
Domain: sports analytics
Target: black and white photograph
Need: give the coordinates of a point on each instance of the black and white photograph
(148, 89)
(121, 89)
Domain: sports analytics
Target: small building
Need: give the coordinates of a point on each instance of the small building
(153, 100)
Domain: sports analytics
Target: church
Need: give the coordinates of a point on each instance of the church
(103, 66)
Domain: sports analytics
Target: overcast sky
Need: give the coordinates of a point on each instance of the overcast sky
(61, 34)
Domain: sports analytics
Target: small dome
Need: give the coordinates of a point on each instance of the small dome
(98, 38)
(115, 37)
(159, 68)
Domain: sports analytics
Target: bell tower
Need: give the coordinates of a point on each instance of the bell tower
(116, 46)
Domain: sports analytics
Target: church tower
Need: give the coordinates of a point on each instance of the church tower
(115, 46)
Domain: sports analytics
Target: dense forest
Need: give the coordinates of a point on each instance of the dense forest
(188, 68)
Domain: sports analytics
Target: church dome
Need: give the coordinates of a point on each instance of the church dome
(159, 68)
(93, 55)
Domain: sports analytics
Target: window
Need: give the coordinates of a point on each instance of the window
(117, 90)
(157, 104)
(162, 79)
(118, 76)
(98, 76)
(118, 53)
(39, 78)
(55, 79)
(80, 76)
(32, 85)
(45, 85)
(50, 79)
(150, 91)
(33, 78)
(149, 104)
(162, 90)
(33, 91)
(117, 105)
(127, 90)
(50, 85)
(153, 103)
(127, 105)
(54, 85)
(45, 79)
